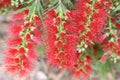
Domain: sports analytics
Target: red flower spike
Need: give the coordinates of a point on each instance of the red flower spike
(18, 16)
(12, 51)
(88, 59)
(32, 54)
(20, 59)
(37, 32)
(23, 57)
(9, 60)
(56, 62)
(61, 55)
(117, 25)
(15, 30)
(118, 53)
(21, 50)
(23, 73)
(26, 12)
(11, 69)
(15, 41)
(30, 45)
(36, 18)
(17, 60)
(58, 19)
(59, 43)
(28, 36)
(88, 68)
(7, 1)
(112, 19)
(36, 40)
(102, 37)
(62, 34)
(18, 67)
(51, 13)
(27, 24)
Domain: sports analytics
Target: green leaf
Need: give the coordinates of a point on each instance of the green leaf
(99, 54)
(117, 8)
(53, 2)
(41, 49)
(117, 66)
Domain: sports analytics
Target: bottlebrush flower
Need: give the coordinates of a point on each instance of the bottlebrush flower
(19, 16)
(67, 38)
(14, 41)
(58, 43)
(14, 30)
(117, 25)
(37, 20)
(5, 3)
(21, 55)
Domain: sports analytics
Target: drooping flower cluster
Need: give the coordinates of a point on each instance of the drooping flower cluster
(90, 19)
(74, 39)
(68, 40)
(5, 3)
(60, 46)
(24, 35)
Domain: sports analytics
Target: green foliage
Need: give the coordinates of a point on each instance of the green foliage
(102, 68)
(117, 8)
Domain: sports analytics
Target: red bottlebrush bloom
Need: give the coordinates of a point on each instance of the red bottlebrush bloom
(61, 55)
(52, 29)
(88, 59)
(102, 4)
(15, 41)
(32, 54)
(70, 29)
(96, 28)
(37, 20)
(37, 32)
(31, 51)
(21, 53)
(7, 1)
(67, 38)
(90, 35)
(118, 41)
(117, 25)
(69, 48)
(26, 12)
(102, 37)
(12, 51)
(51, 13)
(57, 21)
(15, 30)
(112, 19)
(27, 24)
(88, 68)
(98, 5)
(71, 39)
(59, 43)
(30, 45)
(100, 15)
(81, 74)
(56, 62)
(21, 50)
(18, 16)
(28, 36)
(81, 28)
(1, 4)
(36, 40)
